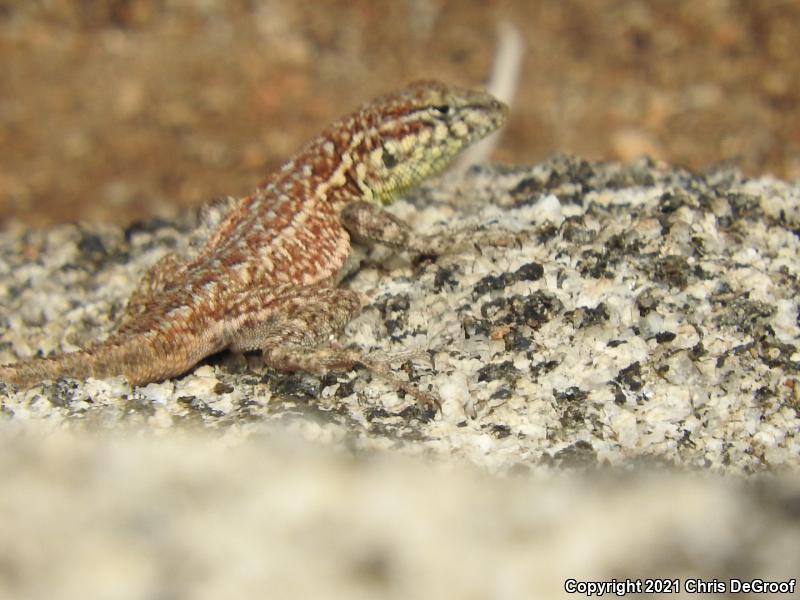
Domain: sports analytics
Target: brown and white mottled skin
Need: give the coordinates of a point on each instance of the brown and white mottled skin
(266, 276)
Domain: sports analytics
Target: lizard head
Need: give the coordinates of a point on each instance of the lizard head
(410, 135)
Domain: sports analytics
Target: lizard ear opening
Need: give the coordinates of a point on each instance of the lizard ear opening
(389, 159)
(442, 109)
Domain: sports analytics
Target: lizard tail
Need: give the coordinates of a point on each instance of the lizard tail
(26, 373)
(133, 359)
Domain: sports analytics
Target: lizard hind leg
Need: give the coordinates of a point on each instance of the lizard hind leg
(294, 333)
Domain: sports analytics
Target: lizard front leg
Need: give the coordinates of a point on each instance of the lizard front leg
(367, 222)
(294, 332)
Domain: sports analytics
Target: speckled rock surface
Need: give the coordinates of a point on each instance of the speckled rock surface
(639, 312)
(626, 318)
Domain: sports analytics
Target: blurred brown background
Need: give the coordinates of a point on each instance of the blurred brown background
(116, 110)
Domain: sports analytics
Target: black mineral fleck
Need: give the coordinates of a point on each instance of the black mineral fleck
(631, 377)
(445, 276)
(529, 272)
(494, 371)
(664, 337)
(673, 270)
(579, 455)
(492, 283)
(533, 309)
(587, 317)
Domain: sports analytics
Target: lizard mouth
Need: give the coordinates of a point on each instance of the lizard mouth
(497, 110)
(484, 118)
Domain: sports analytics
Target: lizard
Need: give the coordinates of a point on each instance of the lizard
(266, 274)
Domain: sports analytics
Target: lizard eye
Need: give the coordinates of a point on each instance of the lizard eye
(442, 108)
